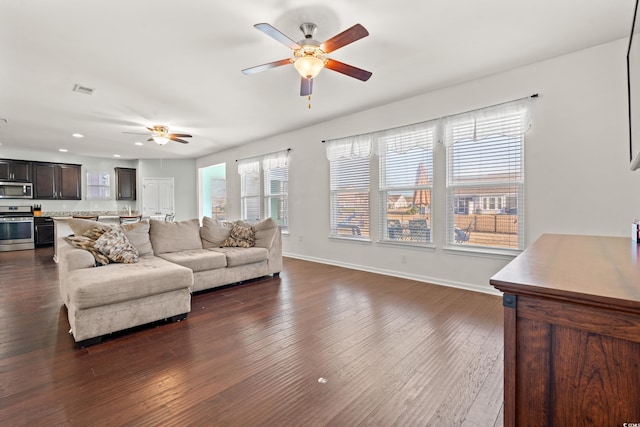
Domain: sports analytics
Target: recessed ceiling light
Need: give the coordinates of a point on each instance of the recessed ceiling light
(139, 143)
(63, 150)
(116, 155)
(77, 135)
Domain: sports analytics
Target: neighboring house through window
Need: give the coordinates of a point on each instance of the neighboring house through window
(485, 176)
(406, 181)
(483, 180)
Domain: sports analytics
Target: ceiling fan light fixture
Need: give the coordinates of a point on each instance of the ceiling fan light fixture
(160, 140)
(309, 66)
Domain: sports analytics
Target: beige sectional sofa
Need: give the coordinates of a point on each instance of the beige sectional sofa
(162, 265)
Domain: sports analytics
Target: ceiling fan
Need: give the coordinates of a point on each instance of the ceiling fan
(160, 135)
(309, 55)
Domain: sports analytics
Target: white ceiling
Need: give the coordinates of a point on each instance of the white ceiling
(178, 63)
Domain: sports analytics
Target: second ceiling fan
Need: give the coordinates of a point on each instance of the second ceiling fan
(309, 55)
(160, 135)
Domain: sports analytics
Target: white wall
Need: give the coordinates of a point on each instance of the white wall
(185, 182)
(576, 157)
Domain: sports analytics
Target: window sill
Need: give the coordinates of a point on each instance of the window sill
(479, 251)
(399, 244)
(361, 240)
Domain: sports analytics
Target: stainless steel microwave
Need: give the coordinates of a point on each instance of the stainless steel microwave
(16, 190)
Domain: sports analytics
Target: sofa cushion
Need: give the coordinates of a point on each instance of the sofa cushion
(265, 232)
(138, 235)
(241, 236)
(242, 256)
(81, 226)
(124, 282)
(174, 236)
(213, 232)
(196, 259)
(115, 245)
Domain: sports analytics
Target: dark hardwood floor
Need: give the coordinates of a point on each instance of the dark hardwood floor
(392, 352)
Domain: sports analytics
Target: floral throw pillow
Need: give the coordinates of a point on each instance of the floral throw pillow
(115, 246)
(242, 236)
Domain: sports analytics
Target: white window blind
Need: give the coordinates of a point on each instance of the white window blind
(406, 182)
(249, 171)
(485, 177)
(98, 186)
(264, 188)
(276, 188)
(349, 186)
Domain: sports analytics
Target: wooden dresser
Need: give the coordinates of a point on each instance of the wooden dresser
(572, 332)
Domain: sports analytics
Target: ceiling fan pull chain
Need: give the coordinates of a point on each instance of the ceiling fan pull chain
(309, 99)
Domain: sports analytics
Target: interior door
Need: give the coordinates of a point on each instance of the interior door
(157, 197)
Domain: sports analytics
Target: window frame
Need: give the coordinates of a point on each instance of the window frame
(358, 219)
(509, 188)
(99, 176)
(258, 168)
(408, 144)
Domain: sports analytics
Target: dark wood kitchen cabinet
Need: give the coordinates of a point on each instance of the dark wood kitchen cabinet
(15, 170)
(57, 181)
(125, 184)
(572, 332)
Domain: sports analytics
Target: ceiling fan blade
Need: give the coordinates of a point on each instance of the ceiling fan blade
(181, 141)
(306, 86)
(272, 32)
(179, 135)
(151, 129)
(344, 38)
(267, 66)
(348, 70)
(151, 139)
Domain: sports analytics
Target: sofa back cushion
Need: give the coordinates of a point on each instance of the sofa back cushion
(174, 236)
(138, 235)
(213, 232)
(81, 226)
(265, 231)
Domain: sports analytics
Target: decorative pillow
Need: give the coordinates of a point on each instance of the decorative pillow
(213, 232)
(241, 236)
(115, 245)
(138, 235)
(174, 236)
(86, 242)
(265, 232)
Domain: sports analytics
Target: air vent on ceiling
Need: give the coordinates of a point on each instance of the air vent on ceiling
(83, 89)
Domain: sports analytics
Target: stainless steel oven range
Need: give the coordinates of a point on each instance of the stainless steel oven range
(16, 228)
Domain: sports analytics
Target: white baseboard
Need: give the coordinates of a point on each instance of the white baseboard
(418, 278)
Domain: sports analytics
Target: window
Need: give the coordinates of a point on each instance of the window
(264, 187)
(349, 187)
(276, 188)
(98, 186)
(485, 179)
(249, 171)
(406, 181)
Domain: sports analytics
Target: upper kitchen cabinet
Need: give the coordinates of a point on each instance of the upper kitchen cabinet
(15, 170)
(125, 184)
(57, 181)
